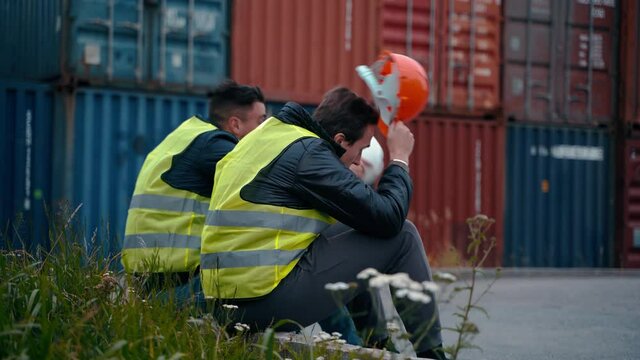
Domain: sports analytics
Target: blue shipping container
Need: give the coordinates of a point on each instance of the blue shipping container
(109, 134)
(559, 206)
(25, 151)
(179, 44)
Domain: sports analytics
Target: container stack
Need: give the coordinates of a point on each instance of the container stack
(628, 224)
(87, 89)
(560, 105)
(533, 116)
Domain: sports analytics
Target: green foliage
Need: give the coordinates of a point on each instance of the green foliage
(479, 248)
(67, 303)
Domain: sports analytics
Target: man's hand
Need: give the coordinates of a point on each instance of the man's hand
(400, 141)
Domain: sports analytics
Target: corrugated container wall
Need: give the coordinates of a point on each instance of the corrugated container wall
(457, 168)
(297, 50)
(561, 61)
(176, 44)
(109, 133)
(25, 152)
(629, 249)
(630, 60)
(559, 199)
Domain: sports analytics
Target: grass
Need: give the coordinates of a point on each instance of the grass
(67, 302)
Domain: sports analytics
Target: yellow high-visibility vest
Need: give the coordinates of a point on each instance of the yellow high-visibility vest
(164, 224)
(247, 248)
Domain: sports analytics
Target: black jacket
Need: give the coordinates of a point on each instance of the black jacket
(308, 174)
(195, 168)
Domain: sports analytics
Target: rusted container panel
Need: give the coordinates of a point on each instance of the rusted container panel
(297, 50)
(469, 75)
(457, 168)
(630, 60)
(411, 28)
(561, 61)
(629, 250)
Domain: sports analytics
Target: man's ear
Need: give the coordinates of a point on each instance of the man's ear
(234, 124)
(339, 138)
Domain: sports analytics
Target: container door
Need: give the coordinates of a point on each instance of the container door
(469, 76)
(25, 151)
(191, 44)
(559, 197)
(106, 40)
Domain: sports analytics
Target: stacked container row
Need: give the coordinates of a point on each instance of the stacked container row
(165, 44)
(560, 103)
(629, 150)
(298, 50)
(561, 61)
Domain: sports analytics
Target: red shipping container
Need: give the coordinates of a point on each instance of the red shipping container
(469, 73)
(630, 61)
(629, 249)
(560, 61)
(457, 167)
(297, 50)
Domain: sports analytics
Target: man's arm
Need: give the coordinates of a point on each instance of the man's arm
(327, 185)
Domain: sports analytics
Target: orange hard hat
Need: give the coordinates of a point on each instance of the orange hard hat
(399, 86)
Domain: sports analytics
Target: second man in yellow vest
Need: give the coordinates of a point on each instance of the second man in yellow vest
(171, 196)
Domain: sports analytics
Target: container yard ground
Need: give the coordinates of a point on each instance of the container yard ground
(557, 314)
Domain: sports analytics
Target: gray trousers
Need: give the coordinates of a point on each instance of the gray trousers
(338, 255)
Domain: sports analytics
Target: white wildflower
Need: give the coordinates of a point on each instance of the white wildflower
(431, 286)
(379, 281)
(241, 327)
(402, 293)
(336, 334)
(367, 273)
(419, 297)
(229, 306)
(399, 280)
(336, 286)
(446, 277)
(320, 358)
(340, 341)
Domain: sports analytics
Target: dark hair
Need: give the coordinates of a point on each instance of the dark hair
(229, 98)
(343, 111)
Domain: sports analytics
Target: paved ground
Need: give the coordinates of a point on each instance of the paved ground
(556, 314)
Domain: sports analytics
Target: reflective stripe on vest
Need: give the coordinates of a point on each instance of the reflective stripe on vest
(248, 248)
(141, 241)
(164, 224)
(249, 258)
(260, 219)
(168, 203)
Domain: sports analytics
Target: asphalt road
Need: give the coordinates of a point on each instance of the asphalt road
(555, 314)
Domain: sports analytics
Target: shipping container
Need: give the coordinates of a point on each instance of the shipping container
(630, 64)
(179, 44)
(561, 61)
(25, 151)
(559, 197)
(108, 135)
(457, 167)
(629, 241)
(298, 50)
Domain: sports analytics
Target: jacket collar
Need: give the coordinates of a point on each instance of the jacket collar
(294, 114)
